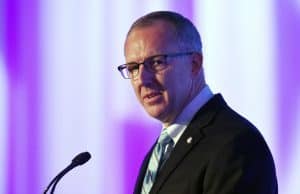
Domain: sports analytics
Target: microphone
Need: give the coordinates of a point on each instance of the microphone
(80, 159)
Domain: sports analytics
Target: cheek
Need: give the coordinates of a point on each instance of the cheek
(170, 84)
(136, 90)
(138, 94)
(177, 85)
(174, 79)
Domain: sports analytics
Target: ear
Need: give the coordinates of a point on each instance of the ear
(197, 60)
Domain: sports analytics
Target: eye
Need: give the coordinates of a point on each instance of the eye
(131, 67)
(157, 63)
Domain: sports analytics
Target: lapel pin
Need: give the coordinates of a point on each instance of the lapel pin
(189, 140)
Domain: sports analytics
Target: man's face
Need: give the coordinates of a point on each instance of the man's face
(162, 94)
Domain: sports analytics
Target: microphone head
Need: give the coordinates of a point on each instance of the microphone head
(81, 158)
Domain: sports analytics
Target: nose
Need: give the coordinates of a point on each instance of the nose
(144, 76)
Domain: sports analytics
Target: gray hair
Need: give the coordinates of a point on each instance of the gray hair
(187, 34)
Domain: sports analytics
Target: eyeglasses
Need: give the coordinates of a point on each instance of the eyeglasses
(152, 64)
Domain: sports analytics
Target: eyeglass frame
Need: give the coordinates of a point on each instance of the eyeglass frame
(126, 73)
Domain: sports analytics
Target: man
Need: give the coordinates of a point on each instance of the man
(204, 147)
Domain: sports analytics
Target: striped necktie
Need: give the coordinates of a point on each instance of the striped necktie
(157, 159)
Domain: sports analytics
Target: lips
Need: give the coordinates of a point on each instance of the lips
(152, 97)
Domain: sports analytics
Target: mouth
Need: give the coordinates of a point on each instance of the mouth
(152, 97)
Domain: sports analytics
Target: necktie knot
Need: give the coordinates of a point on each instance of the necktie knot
(164, 138)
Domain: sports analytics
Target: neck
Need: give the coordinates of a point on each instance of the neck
(196, 87)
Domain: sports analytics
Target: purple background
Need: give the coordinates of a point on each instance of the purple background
(35, 89)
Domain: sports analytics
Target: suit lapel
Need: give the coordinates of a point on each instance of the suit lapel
(192, 135)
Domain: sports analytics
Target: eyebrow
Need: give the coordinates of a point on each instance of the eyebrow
(155, 55)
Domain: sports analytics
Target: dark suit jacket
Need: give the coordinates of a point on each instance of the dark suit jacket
(227, 155)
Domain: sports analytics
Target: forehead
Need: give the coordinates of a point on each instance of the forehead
(157, 38)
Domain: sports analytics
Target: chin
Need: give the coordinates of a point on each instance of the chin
(156, 113)
(160, 116)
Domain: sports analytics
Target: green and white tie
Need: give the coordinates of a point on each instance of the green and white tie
(159, 155)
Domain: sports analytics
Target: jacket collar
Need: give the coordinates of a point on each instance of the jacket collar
(192, 135)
